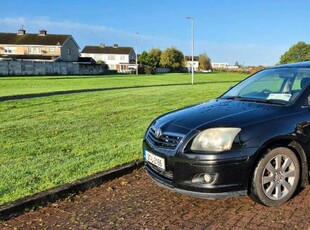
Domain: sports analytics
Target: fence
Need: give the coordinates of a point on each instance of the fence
(163, 70)
(11, 68)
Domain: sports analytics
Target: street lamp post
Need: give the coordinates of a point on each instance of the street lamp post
(192, 19)
(137, 54)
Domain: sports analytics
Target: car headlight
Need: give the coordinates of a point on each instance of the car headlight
(215, 139)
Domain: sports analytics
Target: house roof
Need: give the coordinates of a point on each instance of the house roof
(106, 50)
(33, 39)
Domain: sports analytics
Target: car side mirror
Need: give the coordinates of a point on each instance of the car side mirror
(230, 87)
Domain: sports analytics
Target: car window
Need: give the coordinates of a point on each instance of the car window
(296, 85)
(271, 83)
(301, 80)
(275, 85)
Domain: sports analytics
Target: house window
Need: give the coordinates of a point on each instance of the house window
(122, 58)
(97, 57)
(111, 57)
(52, 49)
(112, 67)
(34, 50)
(69, 51)
(10, 50)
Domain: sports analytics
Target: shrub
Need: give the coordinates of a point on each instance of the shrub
(239, 70)
(256, 69)
(149, 70)
(112, 71)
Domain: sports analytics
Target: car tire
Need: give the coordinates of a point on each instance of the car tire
(276, 177)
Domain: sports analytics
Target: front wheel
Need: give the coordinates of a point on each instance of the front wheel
(276, 177)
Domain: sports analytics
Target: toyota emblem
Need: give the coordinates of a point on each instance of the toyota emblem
(158, 133)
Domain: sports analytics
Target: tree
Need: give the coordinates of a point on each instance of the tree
(143, 58)
(154, 57)
(104, 65)
(204, 62)
(172, 58)
(238, 64)
(298, 52)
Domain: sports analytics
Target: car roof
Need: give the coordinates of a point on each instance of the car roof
(305, 64)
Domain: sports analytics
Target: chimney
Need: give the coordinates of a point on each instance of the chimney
(115, 46)
(21, 31)
(42, 32)
(102, 45)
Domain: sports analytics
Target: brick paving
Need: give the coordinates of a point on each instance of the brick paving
(135, 202)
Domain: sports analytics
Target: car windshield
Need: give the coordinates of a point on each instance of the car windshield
(274, 86)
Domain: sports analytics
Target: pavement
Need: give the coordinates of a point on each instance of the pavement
(134, 201)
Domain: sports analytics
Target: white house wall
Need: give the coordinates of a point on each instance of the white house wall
(189, 65)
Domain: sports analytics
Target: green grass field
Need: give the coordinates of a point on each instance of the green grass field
(49, 141)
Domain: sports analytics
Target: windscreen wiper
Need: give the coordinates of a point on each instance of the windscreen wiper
(270, 101)
(238, 98)
(266, 101)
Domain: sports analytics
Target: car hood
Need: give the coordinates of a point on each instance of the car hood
(217, 113)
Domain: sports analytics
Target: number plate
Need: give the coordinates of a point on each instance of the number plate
(155, 160)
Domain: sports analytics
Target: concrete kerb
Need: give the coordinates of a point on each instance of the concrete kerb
(22, 205)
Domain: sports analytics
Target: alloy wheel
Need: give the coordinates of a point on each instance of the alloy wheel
(278, 177)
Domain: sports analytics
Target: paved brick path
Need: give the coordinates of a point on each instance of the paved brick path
(135, 202)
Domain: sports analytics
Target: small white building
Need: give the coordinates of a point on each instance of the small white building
(189, 63)
(117, 58)
(223, 65)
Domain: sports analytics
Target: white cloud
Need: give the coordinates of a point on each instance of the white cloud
(92, 34)
(84, 33)
(10, 22)
(45, 22)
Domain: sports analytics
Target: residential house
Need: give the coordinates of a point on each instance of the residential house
(117, 58)
(189, 63)
(41, 46)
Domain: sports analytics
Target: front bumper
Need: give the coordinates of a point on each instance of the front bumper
(231, 175)
(204, 195)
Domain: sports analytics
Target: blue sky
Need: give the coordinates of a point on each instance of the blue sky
(253, 32)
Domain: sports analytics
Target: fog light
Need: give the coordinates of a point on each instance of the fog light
(207, 177)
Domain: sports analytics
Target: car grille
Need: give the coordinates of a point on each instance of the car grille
(165, 141)
(166, 174)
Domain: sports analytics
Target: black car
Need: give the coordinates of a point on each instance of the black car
(253, 140)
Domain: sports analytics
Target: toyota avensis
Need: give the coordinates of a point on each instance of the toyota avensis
(253, 140)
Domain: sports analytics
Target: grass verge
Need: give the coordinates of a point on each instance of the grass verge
(46, 142)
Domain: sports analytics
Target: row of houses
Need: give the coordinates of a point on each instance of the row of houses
(41, 46)
(63, 48)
